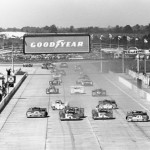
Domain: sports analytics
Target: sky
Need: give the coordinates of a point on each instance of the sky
(77, 13)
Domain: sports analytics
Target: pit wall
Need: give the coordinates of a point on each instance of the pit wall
(7, 98)
(145, 78)
(143, 94)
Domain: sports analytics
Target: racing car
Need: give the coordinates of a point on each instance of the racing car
(84, 76)
(52, 90)
(98, 92)
(137, 116)
(48, 66)
(107, 104)
(77, 90)
(36, 112)
(58, 104)
(78, 68)
(83, 80)
(55, 82)
(56, 75)
(27, 65)
(86, 82)
(44, 66)
(62, 72)
(71, 113)
(102, 113)
(63, 65)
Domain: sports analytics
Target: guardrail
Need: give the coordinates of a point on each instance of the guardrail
(7, 98)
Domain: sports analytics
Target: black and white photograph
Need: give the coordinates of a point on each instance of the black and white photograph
(75, 75)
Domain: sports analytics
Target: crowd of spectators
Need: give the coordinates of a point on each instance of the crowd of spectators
(3, 92)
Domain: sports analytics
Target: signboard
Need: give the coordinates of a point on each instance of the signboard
(56, 43)
(11, 79)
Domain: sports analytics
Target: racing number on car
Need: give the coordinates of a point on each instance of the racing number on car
(107, 106)
(36, 112)
(139, 117)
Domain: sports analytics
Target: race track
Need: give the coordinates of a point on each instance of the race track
(20, 133)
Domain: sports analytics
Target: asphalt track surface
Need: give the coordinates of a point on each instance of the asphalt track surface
(20, 133)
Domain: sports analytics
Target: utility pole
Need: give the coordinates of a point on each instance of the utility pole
(123, 55)
(138, 63)
(145, 64)
(12, 58)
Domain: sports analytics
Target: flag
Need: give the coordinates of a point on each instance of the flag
(145, 41)
(119, 37)
(128, 38)
(92, 36)
(13, 37)
(110, 36)
(101, 37)
(3, 36)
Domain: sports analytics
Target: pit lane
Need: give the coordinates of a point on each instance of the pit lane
(21, 133)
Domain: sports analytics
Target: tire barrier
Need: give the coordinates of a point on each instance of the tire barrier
(7, 98)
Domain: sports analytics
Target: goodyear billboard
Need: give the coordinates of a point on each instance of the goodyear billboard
(56, 43)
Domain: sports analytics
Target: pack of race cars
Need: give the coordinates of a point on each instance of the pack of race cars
(103, 110)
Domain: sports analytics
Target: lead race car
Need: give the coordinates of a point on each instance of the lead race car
(102, 113)
(36, 112)
(58, 104)
(107, 104)
(71, 113)
(63, 65)
(98, 92)
(137, 116)
(48, 66)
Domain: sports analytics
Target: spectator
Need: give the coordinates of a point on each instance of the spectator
(8, 71)
(4, 92)
(0, 93)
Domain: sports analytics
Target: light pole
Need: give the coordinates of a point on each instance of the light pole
(119, 37)
(145, 57)
(12, 57)
(110, 37)
(101, 63)
(123, 55)
(138, 63)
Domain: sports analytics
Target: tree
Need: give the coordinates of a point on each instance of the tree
(53, 29)
(127, 29)
(46, 29)
(136, 28)
(148, 28)
(118, 29)
(71, 29)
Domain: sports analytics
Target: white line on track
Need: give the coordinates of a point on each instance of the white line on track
(127, 94)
